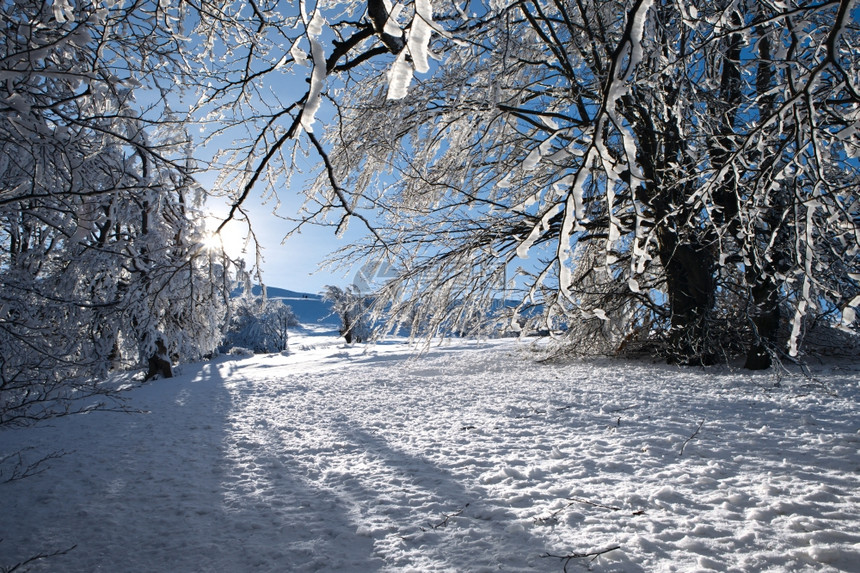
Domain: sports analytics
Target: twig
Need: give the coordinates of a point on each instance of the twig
(568, 558)
(595, 504)
(22, 468)
(447, 517)
(692, 436)
(36, 558)
(573, 501)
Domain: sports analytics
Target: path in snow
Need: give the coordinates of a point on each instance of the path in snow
(470, 458)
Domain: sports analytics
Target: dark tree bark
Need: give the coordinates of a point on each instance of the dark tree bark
(159, 363)
(688, 262)
(690, 285)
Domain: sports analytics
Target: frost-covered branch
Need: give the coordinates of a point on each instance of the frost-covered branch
(634, 173)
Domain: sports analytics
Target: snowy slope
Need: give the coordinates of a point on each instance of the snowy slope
(309, 308)
(472, 457)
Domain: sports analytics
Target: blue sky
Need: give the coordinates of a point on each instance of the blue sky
(294, 264)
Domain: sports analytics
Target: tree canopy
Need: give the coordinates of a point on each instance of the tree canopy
(680, 174)
(679, 171)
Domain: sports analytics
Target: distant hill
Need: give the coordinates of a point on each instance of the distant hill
(275, 292)
(309, 308)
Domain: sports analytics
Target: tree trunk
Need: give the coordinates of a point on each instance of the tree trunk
(765, 290)
(159, 363)
(690, 287)
(766, 321)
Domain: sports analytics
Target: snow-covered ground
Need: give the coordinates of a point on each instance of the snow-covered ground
(472, 457)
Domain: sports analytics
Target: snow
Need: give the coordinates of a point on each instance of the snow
(419, 35)
(391, 27)
(318, 76)
(473, 456)
(399, 77)
(418, 48)
(63, 12)
(534, 235)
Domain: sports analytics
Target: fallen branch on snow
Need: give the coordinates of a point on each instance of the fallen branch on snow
(594, 503)
(578, 500)
(691, 438)
(568, 558)
(35, 558)
(447, 517)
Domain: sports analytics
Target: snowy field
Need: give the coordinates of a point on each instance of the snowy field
(473, 457)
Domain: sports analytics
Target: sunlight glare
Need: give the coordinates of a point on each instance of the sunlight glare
(232, 239)
(213, 242)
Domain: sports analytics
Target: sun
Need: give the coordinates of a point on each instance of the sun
(213, 242)
(232, 239)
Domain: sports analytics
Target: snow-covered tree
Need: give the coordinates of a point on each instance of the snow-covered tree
(706, 149)
(351, 306)
(101, 240)
(259, 324)
(699, 157)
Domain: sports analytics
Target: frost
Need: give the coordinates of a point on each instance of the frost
(419, 35)
(63, 11)
(523, 248)
(314, 29)
(399, 77)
